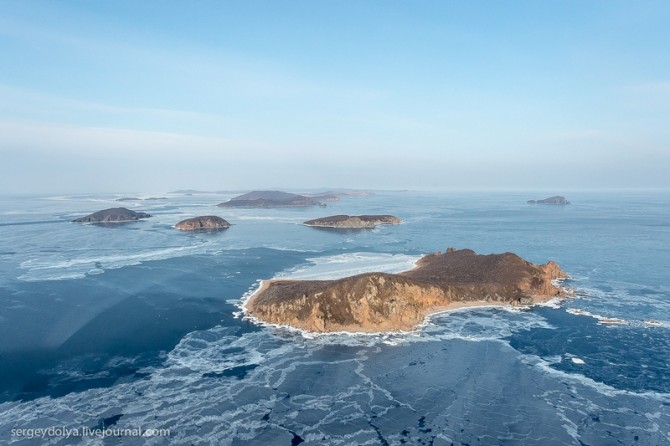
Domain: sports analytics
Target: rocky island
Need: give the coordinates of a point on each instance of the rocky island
(551, 200)
(113, 215)
(269, 198)
(374, 302)
(353, 221)
(203, 223)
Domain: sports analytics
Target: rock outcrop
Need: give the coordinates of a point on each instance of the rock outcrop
(551, 200)
(203, 223)
(382, 302)
(269, 198)
(353, 221)
(113, 215)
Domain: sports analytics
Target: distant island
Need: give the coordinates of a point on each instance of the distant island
(140, 199)
(351, 193)
(269, 198)
(551, 200)
(203, 223)
(113, 215)
(335, 195)
(374, 302)
(323, 197)
(353, 221)
(204, 192)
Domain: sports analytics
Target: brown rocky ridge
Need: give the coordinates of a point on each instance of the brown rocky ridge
(113, 215)
(203, 223)
(374, 302)
(353, 221)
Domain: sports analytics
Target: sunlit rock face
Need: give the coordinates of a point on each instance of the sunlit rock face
(388, 302)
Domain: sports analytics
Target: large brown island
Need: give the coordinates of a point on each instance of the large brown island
(374, 302)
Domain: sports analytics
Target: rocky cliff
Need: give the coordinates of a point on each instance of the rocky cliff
(384, 302)
(203, 223)
(353, 221)
(113, 215)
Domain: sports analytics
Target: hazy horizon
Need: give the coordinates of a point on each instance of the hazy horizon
(532, 193)
(144, 96)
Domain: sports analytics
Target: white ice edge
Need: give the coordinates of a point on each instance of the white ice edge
(602, 388)
(610, 321)
(616, 321)
(531, 360)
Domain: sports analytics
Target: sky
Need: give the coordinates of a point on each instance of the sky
(132, 96)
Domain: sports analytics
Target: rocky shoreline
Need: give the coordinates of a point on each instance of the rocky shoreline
(378, 302)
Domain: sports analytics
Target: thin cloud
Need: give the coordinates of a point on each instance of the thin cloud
(654, 88)
(73, 140)
(574, 136)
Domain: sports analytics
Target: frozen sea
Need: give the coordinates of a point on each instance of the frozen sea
(137, 326)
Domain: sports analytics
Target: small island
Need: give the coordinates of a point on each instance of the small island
(113, 215)
(203, 223)
(268, 199)
(551, 200)
(353, 221)
(376, 302)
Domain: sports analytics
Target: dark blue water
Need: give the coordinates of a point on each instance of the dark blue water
(137, 325)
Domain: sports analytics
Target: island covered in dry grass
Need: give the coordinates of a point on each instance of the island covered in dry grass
(269, 199)
(374, 302)
(353, 221)
(203, 223)
(112, 215)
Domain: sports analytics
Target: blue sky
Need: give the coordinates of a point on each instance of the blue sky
(159, 95)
